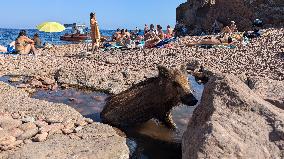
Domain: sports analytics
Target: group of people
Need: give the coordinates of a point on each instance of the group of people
(229, 35)
(150, 37)
(23, 44)
(147, 38)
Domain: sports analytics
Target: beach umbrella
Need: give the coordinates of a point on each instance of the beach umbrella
(50, 27)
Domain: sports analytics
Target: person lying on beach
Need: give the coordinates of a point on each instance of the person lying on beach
(23, 44)
(152, 42)
(212, 41)
(129, 43)
(9, 49)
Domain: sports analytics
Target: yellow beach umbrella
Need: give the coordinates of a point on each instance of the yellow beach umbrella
(50, 27)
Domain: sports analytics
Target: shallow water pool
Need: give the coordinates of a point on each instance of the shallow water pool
(153, 139)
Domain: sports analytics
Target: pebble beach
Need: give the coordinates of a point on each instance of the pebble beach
(116, 70)
(113, 72)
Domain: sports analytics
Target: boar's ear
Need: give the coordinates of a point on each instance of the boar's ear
(163, 71)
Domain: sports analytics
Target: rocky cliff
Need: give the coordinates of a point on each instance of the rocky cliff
(197, 14)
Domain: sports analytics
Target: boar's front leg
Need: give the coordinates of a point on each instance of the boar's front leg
(168, 120)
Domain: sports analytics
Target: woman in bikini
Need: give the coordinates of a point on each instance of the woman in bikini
(95, 32)
(23, 44)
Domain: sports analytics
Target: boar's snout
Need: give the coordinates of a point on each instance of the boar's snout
(189, 99)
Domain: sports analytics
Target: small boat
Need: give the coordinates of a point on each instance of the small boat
(78, 34)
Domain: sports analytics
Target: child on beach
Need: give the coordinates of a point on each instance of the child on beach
(95, 32)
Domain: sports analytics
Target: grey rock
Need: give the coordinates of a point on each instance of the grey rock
(223, 125)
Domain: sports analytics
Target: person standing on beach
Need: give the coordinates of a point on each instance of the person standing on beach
(95, 32)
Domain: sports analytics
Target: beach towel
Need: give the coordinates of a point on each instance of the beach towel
(164, 42)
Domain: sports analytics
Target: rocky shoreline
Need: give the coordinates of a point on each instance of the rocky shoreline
(114, 71)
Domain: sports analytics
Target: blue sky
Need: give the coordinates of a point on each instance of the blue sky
(111, 14)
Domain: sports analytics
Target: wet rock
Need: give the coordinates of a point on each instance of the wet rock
(47, 81)
(23, 85)
(36, 83)
(15, 79)
(29, 90)
(224, 125)
(98, 98)
(40, 137)
(9, 122)
(54, 87)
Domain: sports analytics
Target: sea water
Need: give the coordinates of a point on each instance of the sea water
(9, 35)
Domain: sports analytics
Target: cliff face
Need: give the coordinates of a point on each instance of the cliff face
(197, 14)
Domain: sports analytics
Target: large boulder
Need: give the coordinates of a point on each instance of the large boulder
(95, 141)
(199, 14)
(270, 90)
(233, 122)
